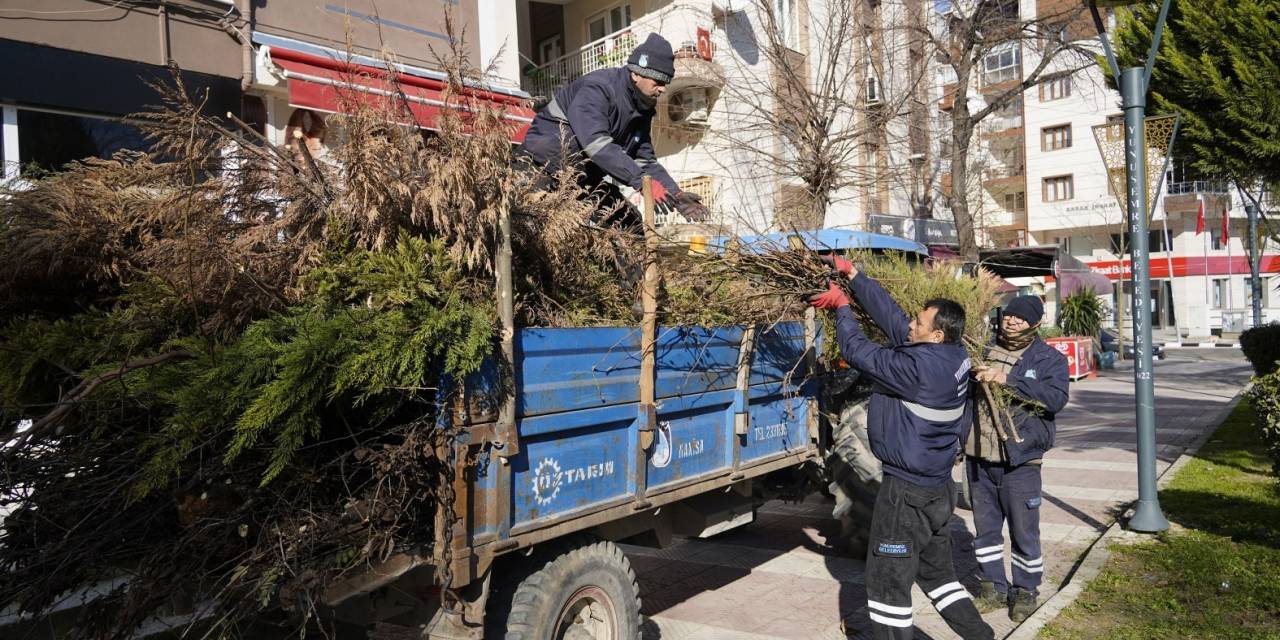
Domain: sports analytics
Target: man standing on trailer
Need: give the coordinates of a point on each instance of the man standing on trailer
(1004, 474)
(601, 123)
(917, 417)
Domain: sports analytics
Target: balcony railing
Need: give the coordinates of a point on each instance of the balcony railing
(996, 123)
(679, 24)
(1000, 171)
(1196, 186)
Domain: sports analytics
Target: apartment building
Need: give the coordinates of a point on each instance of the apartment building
(708, 130)
(1044, 183)
(79, 68)
(76, 69)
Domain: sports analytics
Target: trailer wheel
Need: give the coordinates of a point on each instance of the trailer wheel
(854, 475)
(584, 590)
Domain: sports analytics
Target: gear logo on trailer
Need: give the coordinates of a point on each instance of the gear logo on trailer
(546, 481)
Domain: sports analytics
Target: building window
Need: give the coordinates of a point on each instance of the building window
(1056, 137)
(253, 112)
(1008, 116)
(1219, 292)
(871, 166)
(1015, 202)
(1002, 65)
(1119, 244)
(1215, 235)
(1079, 246)
(784, 14)
(608, 21)
(1265, 285)
(1057, 33)
(47, 141)
(1055, 89)
(1007, 10)
(1059, 188)
(1157, 241)
(550, 49)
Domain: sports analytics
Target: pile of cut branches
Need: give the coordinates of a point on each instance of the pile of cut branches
(222, 373)
(774, 285)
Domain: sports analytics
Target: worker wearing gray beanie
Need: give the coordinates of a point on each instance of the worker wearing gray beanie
(653, 59)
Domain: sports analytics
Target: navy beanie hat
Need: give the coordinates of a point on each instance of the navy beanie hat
(1028, 308)
(653, 59)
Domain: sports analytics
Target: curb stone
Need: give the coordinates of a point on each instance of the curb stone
(1200, 345)
(1099, 552)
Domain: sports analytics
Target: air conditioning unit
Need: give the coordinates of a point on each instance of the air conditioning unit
(873, 90)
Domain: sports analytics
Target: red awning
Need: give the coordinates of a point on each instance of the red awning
(325, 84)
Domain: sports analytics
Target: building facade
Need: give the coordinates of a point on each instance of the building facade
(77, 69)
(720, 126)
(1066, 197)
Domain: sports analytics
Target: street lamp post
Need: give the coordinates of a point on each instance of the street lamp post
(1133, 83)
(1255, 284)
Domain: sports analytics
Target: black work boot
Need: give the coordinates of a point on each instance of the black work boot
(988, 599)
(1022, 604)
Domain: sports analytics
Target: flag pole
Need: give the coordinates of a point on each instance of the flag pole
(1204, 259)
(1226, 239)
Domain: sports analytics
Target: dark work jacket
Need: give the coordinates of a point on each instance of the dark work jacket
(919, 410)
(602, 120)
(1040, 376)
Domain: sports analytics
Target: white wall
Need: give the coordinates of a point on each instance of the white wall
(499, 40)
(1088, 105)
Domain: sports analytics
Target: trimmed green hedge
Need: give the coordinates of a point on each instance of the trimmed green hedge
(1261, 345)
(1265, 396)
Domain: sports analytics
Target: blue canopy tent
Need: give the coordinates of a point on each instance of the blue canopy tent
(820, 240)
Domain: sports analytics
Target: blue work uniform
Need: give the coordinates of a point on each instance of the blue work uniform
(1005, 486)
(601, 121)
(917, 417)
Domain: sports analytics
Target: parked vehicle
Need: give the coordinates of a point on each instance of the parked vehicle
(1110, 343)
(532, 550)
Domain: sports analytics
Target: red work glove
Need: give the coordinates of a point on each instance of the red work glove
(660, 193)
(842, 265)
(834, 298)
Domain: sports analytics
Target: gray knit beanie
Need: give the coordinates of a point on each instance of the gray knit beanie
(653, 59)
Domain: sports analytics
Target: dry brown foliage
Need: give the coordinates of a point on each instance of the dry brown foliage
(215, 230)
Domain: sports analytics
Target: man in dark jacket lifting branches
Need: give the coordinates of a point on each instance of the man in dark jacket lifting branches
(601, 121)
(917, 417)
(1003, 465)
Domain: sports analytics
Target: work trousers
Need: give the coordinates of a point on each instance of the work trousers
(910, 543)
(1000, 494)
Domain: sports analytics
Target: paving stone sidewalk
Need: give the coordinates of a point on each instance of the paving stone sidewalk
(782, 576)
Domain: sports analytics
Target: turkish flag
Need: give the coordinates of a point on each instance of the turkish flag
(704, 43)
(1225, 234)
(1200, 219)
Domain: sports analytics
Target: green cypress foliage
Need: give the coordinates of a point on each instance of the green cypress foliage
(1219, 66)
(376, 330)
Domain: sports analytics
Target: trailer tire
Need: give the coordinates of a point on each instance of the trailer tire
(582, 590)
(854, 476)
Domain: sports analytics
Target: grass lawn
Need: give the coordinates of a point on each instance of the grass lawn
(1215, 574)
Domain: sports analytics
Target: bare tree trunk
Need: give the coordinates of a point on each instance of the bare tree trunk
(962, 128)
(965, 230)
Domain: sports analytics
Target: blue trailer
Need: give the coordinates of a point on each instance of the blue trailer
(529, 547)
